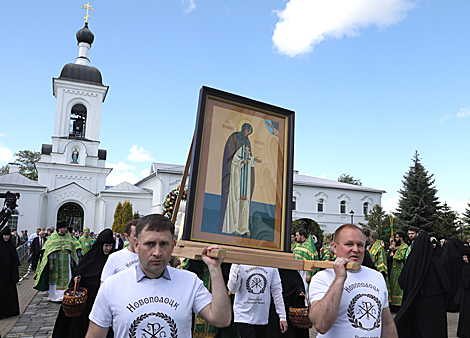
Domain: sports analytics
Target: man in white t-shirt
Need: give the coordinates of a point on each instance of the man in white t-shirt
(253, 286)
(158, 300)
(123, 259)
(350, 303)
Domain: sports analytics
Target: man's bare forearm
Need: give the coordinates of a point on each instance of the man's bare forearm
(323, 313)
(221, 307)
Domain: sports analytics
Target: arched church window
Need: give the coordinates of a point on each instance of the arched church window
(13, 221)
(342, 207)
(320, 205)
(72, 214)
(78, 121)
(366, 208)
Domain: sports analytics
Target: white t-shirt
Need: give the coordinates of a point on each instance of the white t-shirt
(119, 261)
(364, 297)
(252, 290)
(150, 307)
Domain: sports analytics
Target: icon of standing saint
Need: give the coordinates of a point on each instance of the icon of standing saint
(238, 182)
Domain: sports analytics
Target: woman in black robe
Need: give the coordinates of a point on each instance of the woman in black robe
(452, 263)
(424, 284)
(463, 296)
(89, 268)
(9, 275)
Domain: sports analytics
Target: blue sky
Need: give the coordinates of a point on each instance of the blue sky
(371, 81)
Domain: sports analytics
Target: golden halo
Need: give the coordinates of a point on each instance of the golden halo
(240, 124)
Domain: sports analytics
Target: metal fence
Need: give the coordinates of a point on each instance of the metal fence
(23, 255)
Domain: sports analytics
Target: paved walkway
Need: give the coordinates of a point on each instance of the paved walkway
(38, 315)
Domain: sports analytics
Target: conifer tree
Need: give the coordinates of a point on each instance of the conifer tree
(418, 202)
(378, 220)
(446, 222)
(126, 215)
(466, 215)
(117, 218)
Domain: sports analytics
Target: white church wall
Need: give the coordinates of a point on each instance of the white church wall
(140, 202)
(308, 197)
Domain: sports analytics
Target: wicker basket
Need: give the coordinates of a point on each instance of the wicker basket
(299, 316)
(73, 305)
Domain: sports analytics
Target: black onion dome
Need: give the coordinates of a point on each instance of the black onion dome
(85, 35)
(81, 73)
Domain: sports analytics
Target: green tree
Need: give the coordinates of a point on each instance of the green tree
(126, 215)
(447, 225)
(418, 203)
(466, 215)
(379, 221)
(117, 218)
(27, 160)
(310, 225)
(345, 178)
(136, 215)
(4, 169)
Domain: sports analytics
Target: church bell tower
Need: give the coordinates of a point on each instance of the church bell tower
(74, 155)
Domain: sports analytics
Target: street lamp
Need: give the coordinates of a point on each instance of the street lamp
(352, 216)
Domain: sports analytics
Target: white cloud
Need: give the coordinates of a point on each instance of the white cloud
(322, 176)
(390, 204)
(2, 134)
(455, 205)
(116, 177)
(464, 112)
(145, 172)
(305, 23)
(6, 155)
(139, 154)
(120, 166)
(444, 118)
(191, 5)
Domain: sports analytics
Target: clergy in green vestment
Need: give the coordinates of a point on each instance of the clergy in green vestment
(86, 241)
(399, 251)
(379, 257)
(327, 252)
(305, 249)
(54, 270)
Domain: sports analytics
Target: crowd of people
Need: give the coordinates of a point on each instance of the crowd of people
(134, 291)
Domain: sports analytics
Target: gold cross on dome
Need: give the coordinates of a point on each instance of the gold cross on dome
(87, 7)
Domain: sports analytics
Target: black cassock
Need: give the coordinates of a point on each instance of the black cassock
(452, 263)
(89, 268)
(463, 298)
(424, 284)
(9, 276)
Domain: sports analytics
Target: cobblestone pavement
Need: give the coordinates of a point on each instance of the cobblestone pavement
(38, 316)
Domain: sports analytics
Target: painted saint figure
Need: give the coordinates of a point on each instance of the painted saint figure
(75, 154)
(238, 182)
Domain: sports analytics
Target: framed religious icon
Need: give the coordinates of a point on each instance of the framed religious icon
(240, 187)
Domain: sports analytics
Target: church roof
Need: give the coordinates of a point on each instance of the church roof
(161, 166)
(127, 187)
(81, 73)
(323, 182)
(18, 179)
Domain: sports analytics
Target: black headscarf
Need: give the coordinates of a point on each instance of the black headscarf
(438, 249)
(92, 263)
(8, 255)
(465, 280)
(422, 275)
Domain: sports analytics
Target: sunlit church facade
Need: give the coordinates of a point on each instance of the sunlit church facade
(72, 173)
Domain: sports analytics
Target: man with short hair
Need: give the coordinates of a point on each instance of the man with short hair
(122, 259)
(399, 248)
(350, 303)
(413, 232)
(86, 241)
(159, 300)
(305, 249)
(36, 248)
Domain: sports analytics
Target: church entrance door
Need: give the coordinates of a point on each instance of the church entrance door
(72, 214)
